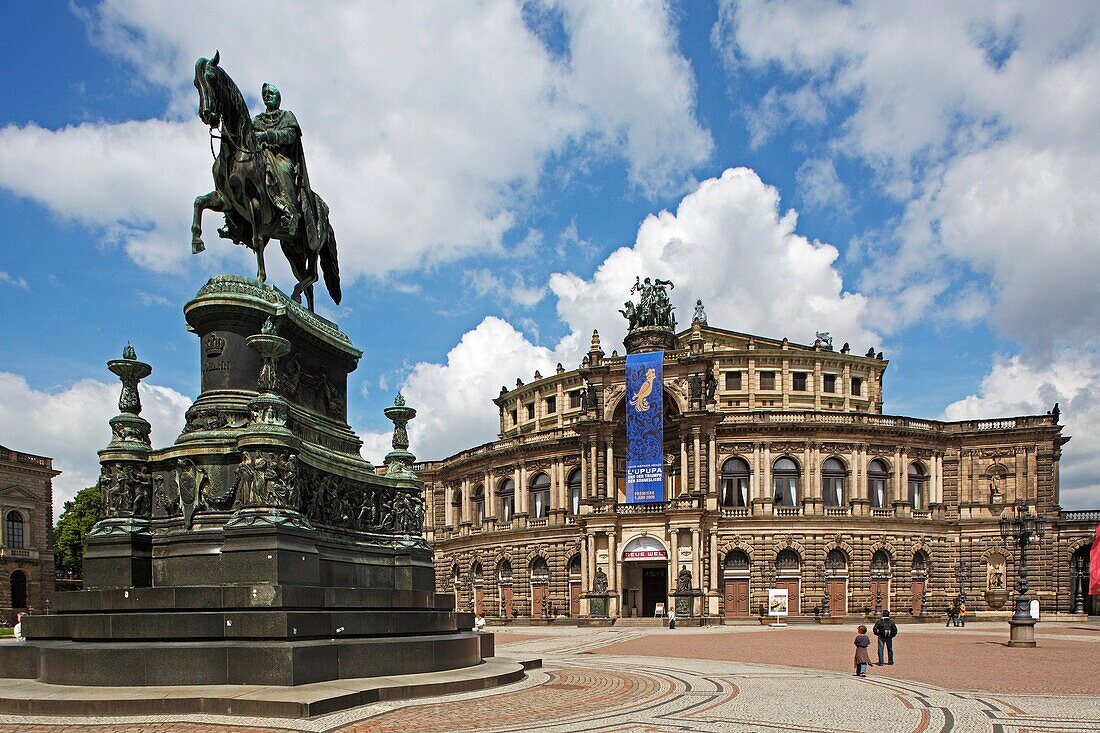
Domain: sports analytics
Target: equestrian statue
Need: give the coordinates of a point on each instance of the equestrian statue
(261, 183)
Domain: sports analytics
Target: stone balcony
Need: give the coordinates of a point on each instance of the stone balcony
(18, 553)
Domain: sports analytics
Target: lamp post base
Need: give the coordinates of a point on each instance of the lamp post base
(1021, 633)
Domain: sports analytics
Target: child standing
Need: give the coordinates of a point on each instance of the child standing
(863, 654)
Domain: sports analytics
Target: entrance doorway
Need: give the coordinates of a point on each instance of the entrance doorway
(654, 589)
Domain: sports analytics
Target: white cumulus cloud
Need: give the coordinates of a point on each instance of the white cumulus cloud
(426, 127)
(1016, 387)
(70, 424)
(727, 243)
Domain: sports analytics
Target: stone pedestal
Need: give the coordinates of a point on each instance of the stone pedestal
(259, 547)
(1021, 632)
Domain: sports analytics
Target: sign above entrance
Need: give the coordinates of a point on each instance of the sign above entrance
(644, 548)
(645, 428)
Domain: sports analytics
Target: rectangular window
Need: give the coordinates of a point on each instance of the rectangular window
(515, 420)
(551, 405)
(798, 381)
(767, 380)
(733, 381)
(857, 387)
(575, 400)
(531, 411)
(829, 383)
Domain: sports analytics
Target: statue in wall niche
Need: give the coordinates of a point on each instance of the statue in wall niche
(712, 383)
(599, 582)
(995, 496)
(683, 580)
(696, 387)
(997, 576)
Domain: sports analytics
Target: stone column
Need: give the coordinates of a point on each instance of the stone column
(613, 565)
(591, 559)
(585, 582)
(713, 559)
(448, 507)
(490, 495)
(517, 493)
(585, 491)
(684, 477)
(696, 558)
(696, 484)
(594, 467)
(674, 551)
(712, 465)
(467, 515)
(612, 492)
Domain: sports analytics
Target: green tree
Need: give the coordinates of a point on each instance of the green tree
(78, 516)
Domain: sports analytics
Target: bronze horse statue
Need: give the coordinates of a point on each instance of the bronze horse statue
(250, 187)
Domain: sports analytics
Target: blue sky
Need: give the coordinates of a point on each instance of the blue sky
(917, 179)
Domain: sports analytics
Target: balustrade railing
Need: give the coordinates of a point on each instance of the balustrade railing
(1082, 515)
(882, 512)
(788, 511)
(735, 511)
(838, 511)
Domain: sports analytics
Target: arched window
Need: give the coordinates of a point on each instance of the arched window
(540, 496)
(920, 564)
(18, 589)
(787, 562)
(540, 571)
(836, 561)
(507, 494)
(917, 482)
(575, 565)
(477, 503)
(833, 474)
(13, 530)
(737, 563)
(575, 492)
(735, 483)
(476, 571)
(504, 571)
(785, 482)
(878, 477)
(456, 576)
(456, 504)
(880, 564)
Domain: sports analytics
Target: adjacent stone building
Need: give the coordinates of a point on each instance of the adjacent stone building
(781, 471)
(26, 549)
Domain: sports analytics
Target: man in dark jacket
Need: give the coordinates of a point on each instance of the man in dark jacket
(886, 630)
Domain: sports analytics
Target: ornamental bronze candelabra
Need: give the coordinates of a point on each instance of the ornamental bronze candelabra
(1021, 528)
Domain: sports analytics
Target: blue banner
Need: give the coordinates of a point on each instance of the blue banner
(645, 428)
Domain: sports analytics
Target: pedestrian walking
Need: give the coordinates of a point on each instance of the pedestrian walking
(962, 614)
(885, 629)
(952, 614)
(672, 620)
(863, 653)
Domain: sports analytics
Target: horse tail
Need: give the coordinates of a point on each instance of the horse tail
(330, 265)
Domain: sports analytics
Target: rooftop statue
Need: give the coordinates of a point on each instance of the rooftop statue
(261, 183)
(654, 309)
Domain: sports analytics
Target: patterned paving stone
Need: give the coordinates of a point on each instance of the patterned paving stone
(584, 688)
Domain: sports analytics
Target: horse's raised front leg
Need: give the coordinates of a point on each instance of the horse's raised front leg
(212, 201)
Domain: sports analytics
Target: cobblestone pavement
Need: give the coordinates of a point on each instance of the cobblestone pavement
(644, 681)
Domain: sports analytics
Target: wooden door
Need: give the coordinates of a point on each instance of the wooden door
(479, 600)
(880, 595)
(575, 599)
(539, 595)
(506, 602)
(838, 596)
(918, 596)
(794, 608)
(736, 598)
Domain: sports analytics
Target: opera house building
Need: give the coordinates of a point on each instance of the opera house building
(780, 471)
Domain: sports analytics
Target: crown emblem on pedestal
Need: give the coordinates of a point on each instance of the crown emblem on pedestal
(214, 345)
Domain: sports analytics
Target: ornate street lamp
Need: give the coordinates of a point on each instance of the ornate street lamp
(1020, 529)
(962, 575)
(1079, 585)
(825, 609)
